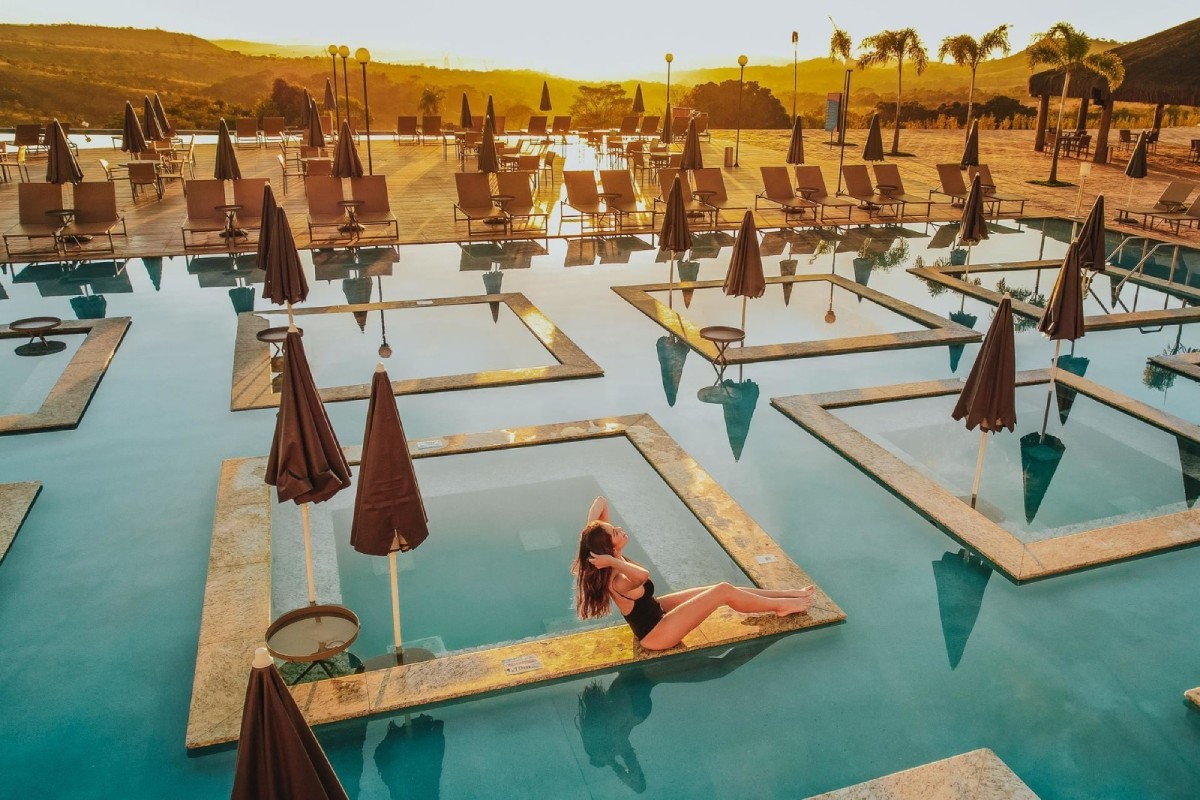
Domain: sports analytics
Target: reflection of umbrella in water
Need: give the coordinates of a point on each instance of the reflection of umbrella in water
(956, 350)
(961, 580)
(787, 269)
(738, 400)
(92, 306)
(358, 292)
(154, 269)
(1040, 457)
(689, 271)
(672, 353)
(410, 756)
(1065, 395)
(491, 284)
(1189, 467)
(1062, 318)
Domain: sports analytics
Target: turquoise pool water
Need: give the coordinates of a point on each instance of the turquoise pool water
(1076, 682)
(27, 379)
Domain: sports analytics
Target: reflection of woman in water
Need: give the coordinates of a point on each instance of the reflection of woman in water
(604, 576)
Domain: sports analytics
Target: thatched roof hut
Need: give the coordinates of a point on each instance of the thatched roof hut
(1160, 69)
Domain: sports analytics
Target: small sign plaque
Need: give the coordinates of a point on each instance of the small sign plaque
(766, 558)
(521, 664)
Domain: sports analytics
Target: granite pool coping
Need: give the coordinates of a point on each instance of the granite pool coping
(15, 501)
(1186, 364)
(251, 386)
(237, 596)
(977, 775)
(1020, 561)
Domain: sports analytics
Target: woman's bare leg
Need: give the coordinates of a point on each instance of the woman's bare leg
(670, 601)
(687, 616)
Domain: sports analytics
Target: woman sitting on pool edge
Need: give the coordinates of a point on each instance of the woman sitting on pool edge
(603, 576)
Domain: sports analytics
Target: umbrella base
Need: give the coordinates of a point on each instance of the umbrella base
(410, 655)
(42, 348)
(236, 233)
(351, 227)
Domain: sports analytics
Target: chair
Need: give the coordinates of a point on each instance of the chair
(810, 182)
(34, 200)
(1124, 139)
(952, 185)
(113, 173)
(95, 212)
(583, 197)
(710, 188)
(407, 126)
(649, 127)
(318, 168)
(777, 188)
(142, 174)
(185, 154)
(1171, 201)
(272, 129)
(376, 208)
(636, 159)
(548, 164)
(203, 198)
(537, 126)
(859, 186)
(889, 182)
(431, 126)
(1178, 218)
(27, 134)
(629, 125)
(1194, 152)
(245, 131)
(628, 200)
(475, 200)
(288, 170)
(20, 160)
(248, 193)
(702, 130)
(989, 188)
(324, 194)
(560, 127)
(693, 207)
(517, 185)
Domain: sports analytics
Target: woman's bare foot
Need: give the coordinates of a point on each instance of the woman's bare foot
(806, 591)
(793, 605)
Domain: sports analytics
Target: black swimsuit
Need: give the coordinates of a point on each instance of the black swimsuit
(646, 611)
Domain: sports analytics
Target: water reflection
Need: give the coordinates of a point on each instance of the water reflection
(1040, 456)
(608, 715)
(618, 249)
(332, 264)
(242, 298)
(1189, 467)
(154, 270)
(492, 282)
(73, 278)
(689, 271)
(672, 352)
(738, 400)
(410, 758)
(961, 579)
(965, 319)
(1065, 395)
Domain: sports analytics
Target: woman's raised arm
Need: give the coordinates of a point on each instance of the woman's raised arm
(599, 510)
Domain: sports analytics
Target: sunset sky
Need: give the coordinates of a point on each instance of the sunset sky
(606, 40)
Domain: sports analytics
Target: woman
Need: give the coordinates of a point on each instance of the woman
(603, 576)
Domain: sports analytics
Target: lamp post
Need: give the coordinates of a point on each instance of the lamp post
(363, 56)
(333, 53)
(845, 111)
(670, 57)
(795, 69)
(737, 144)
(344, 52)
(1085, 169)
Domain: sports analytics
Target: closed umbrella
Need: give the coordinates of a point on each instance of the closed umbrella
(639, 107)
(988, 399)
(278, 258)
(1062, 318)
(278, 757)
(464, 116)
(305, 463)
(745, 277)
(132, 140)
(160, 114)
(665, 135)
(305, 107)
(1136, 169)
(970, 156)
(544, 105)
(153, 131)
(692, 158)
(488, 160)
(330, 101)
(795, 153)
(972, 228)
(346, 163)
(874, 147)
(226, 168)
(490, 113)
(268, 230)
(316, 134)
(61, 166)
(389, 514)
(674, 236)
(1092, 255)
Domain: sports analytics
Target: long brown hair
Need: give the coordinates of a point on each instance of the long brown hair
(591, 583)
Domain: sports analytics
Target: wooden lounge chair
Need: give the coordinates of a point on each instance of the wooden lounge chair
(811, 185)
(1171, 201)
(248, 193)
(272, 129)
(34, 200)
(952, 184)
(324, 193)
(95, 213)
(475, 202)
(859, 186)
(889, 182)
(628, 201)
(203, 197)
(288, 169)
(375, 213)
(143, 173)
(989, 188)
(246, 132)
(431, 127)
(1176, 219)
(406, 127)
(629, 125)
(537, 126)
(649, 127)
(583, 197)
(777, 189)
(518, 185)
(693, 206)
(710, 190)
(560, 127)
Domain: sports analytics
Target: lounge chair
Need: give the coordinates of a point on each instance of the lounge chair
(1171, 201)
(629, 125)
(952, 184)
(28, 134)
(693, 206)
(95, 213)
(649, 127)
(248, 193)
(113, 173)
(989, 188)
(628, 201)
(710, 189)
(34, 200)
(288, 170)
(518, 186)
(203, 197)
(537, 126)
(406, 127)
(583, 197)
(1175, 219)
(811, 185)
(272, 129)
(475, 201)
(431, 126)
(245, 132)
(324, 193)
(376, 209)
(777, 189)
(889, 182)
(859, 186)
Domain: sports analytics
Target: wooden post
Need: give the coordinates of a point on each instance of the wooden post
(1039, 139)
(1106, 112)
(1081, 120)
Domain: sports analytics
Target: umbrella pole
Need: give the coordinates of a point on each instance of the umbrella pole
(967, 271)
(1050, 393)
(308, 561)
(395, 604)
(671, 283)
(744, 314)
(978, 466)
(291, 320)
(1129, 198)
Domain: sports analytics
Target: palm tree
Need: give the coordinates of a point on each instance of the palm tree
(1066, 49)
(967, 51)
(888, 46)
(840, 45)
(431, 100)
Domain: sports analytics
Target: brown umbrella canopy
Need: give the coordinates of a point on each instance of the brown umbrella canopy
(675, 235)
(1136, 168)
(306, 463)
(488, 160)
(278, 756)
(316, 135)
(795, 153)
(988, 398)
(1062, 318)
(639, 106)
(388, 511)
(545, 104)
(665, 135)
(464, 114)
(692, 157)
(874, 147)
(330, 102)
(970, 156)
(745, 276)
(226, 168)
(285, 281)
(160, 114)
(270, 228)
(132, 140)
(973, 228)
(61, 166)
(346, 163)
(490, 113)
(150, 126)
(1091, 239)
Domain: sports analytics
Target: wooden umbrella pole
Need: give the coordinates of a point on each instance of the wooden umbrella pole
(671, 283)
(291, 320)
(308, 560)
(967, 271)
(978, 466)
(395, 603)
(743, 315)
(1050, 393)
(1129, 198)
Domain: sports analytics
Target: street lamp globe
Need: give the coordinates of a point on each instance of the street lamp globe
(742, 61)
(362, 55)
(344, 51)
(332, 50)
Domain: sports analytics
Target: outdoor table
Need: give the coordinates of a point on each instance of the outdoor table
(276, 337)
(352, 225)
(65, 215)
(304, 162)
(501, 202)
(702, 195)
(722, 336)
(886, 188)
(37, 328)
(230, 210)
(312, 635)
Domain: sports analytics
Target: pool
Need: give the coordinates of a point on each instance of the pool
(1076, 681)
